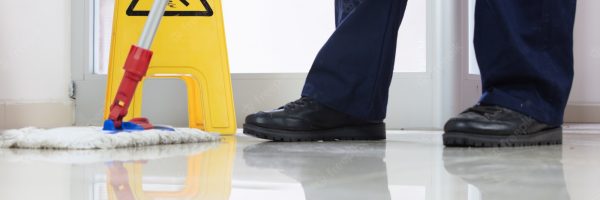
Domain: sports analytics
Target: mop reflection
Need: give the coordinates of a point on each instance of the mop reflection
(118, 181)
(208, 177)
(527, 173)
(327, 170)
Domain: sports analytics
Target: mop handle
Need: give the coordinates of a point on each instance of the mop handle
(154, 18)
(137, 64)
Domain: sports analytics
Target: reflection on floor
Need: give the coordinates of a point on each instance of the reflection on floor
(409, 165)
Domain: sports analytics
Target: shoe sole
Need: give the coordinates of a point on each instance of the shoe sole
(368, 132)
(546, 137)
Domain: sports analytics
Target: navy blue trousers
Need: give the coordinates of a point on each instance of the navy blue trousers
(524, 49)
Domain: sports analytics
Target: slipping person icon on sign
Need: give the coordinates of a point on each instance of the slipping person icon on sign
(199, 9)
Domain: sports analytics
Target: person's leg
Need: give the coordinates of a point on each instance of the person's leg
(346, 91)
(525, 53)
(353, 71)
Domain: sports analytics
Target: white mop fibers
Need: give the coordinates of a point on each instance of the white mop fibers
(95, 138)
(87, 156)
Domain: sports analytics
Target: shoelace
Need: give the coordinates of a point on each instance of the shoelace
(298, 103)
(484, 110)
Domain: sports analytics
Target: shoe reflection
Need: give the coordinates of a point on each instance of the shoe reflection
(510, 173)
(327, 170)
(208, 176)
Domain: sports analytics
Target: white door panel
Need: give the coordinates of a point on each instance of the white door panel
(584, 102)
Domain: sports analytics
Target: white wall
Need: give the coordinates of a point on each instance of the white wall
(584, 102)
(34, 59)
(587, 53)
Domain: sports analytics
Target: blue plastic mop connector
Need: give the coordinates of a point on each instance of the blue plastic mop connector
(109, 126)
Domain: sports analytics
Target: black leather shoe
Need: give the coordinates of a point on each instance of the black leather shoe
(494, 126)
(308, 120)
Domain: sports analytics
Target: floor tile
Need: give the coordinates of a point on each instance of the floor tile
(409, 165)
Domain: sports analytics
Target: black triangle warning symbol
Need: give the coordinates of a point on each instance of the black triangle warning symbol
(174, 8)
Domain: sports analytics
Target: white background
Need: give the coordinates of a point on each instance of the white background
(587, 53)
(274, 36)
(282, 36)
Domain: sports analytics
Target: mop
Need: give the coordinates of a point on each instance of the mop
(115, 133)
(105, 155)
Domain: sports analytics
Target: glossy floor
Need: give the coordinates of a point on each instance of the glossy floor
(409, 165)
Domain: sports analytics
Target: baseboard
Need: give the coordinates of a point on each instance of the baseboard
(37, 114)
(582, 113)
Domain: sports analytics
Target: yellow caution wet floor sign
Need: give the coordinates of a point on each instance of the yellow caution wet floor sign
(189, 45)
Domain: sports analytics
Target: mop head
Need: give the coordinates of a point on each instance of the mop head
(105, 155)
(96, 138)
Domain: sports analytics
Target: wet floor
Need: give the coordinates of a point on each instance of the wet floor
(409, 165)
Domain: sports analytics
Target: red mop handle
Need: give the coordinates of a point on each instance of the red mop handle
(136, 66)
